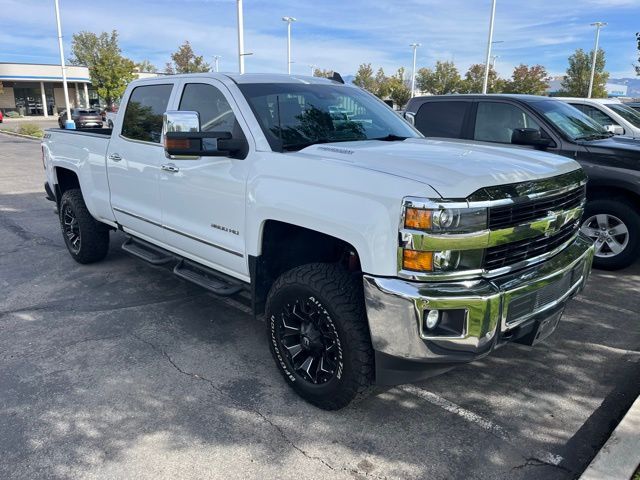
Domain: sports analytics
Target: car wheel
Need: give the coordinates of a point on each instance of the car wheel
(614, 226)
(318, 334)
(86, 239)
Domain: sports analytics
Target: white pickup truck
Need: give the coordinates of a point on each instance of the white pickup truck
(375, 255)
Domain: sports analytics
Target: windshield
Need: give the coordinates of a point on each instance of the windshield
(570, 121)
(293, 116)
(628, 113)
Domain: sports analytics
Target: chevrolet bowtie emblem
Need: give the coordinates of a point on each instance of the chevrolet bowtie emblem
(556, 221)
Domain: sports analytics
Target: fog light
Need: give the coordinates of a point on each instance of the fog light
(432, 319)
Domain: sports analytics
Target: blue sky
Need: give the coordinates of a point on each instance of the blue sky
(333, 34)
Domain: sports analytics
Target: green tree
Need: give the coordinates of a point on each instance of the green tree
(399, 91)
(638, 45)
(322, 73)
(186, 61)
(443, 79)
(382, 87)
(576, 82)
(364, 78)
(474, 79)
(110, 72)
(146, 66)
(531, 80)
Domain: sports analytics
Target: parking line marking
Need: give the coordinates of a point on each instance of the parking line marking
(485, 423)
(605, 305)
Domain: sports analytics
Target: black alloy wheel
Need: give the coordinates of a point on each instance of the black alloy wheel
(71, 229)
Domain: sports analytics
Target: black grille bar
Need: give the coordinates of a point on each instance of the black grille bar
(511, 253)
(514, 214)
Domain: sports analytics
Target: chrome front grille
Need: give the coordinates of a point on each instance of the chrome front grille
(511, 253)
(504, 216)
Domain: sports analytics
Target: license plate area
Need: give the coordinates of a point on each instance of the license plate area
(539, 330)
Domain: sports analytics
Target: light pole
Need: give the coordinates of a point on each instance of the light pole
(413, 71)
(598, 26)
(493, 61)
(485, 83)
(313, 68)
(289, 21)
(216, 60)
(241, 53)
(69, 123)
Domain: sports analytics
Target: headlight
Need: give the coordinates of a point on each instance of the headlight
(442, 238)
(446, 220)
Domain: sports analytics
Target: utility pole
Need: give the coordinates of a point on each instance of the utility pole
(485, 83)
(69, 123)
(313, 68)
(598, 26)
(413, 71)
(289, 21)
(240, 37)
(216, 60)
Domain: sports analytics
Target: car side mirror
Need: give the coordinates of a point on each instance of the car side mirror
(183, 138)
(615, 129)
(529, 136)
(410, 117)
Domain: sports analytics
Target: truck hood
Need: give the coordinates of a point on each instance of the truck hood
(455, 169)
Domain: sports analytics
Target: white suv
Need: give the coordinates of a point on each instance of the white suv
(611, 113)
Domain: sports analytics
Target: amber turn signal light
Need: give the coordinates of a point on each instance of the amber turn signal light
(417, 218)
(177, 143)
(417, 261)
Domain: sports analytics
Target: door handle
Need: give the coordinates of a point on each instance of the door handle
(115, 157)
(170, 167)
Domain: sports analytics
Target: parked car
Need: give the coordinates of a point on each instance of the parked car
(375, 255)
(634, 105)
(1, 117)
(611, 113)
(612, 213)
(82, 117)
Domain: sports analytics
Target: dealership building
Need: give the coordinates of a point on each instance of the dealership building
(36, 89)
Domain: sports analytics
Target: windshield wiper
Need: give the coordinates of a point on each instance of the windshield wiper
(595, 136)
(390, 138)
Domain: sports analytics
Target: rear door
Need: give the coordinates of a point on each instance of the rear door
(444, 118)
(134, 158)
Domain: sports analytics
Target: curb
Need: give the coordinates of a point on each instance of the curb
(16, 134)
(620, 456)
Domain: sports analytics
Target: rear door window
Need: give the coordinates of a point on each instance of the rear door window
(496, 121)
(442, 118)
(143, 116)
(596, 114)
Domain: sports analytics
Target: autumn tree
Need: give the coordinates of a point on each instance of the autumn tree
(399, 91)
(146, 66)
(364, 78)
(443, 79)
(186, 61)
(322, 73)
(474, 80)
(576, 82)
(531, 80)
(110, 72)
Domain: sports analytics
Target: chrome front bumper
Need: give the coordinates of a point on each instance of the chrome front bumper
(496, 309)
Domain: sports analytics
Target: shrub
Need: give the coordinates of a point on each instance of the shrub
(12, 114)
(31, 129)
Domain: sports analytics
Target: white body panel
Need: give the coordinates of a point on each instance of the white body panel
(604, 106)
(352, 191)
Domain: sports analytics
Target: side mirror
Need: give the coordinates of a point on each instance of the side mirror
(183, 138)
(410, 117)
(615, 129)
(529, 136)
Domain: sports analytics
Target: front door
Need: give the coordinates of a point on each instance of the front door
(203, 199)
(134, 158)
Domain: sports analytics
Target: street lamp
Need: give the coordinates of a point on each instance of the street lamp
(289, 21)
(493, 61)
(241, 53)
(313, 68)
(68, 123)
(598, 26)
(413, 72)
(216, 59)
(485, 83)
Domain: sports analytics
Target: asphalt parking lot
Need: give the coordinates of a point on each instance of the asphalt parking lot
(121, 370)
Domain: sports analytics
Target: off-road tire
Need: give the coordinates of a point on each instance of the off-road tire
(339, 294)
(630, 216)
(94, 236)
